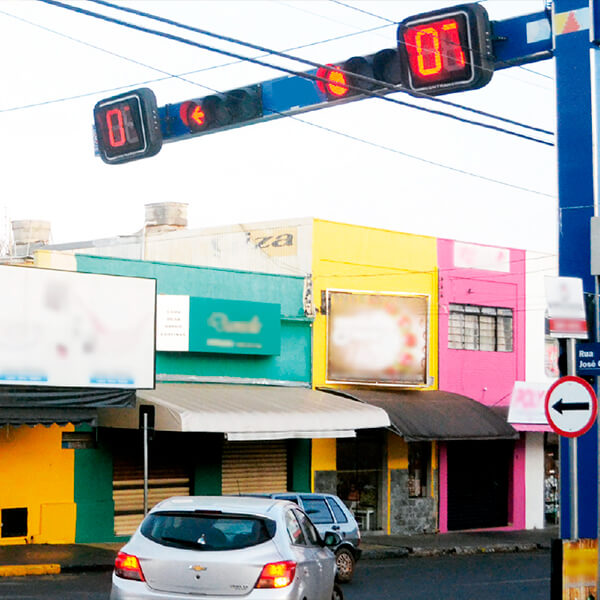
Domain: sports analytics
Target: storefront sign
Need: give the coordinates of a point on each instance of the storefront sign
(192, 324)
(485, 258)
(527, 406)
(377, 338)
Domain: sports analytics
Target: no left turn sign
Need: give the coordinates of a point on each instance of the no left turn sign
(571, 406)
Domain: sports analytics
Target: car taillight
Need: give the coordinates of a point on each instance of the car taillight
(277, 575)
(128, 566)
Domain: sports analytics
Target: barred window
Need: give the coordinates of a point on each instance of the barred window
(480, 328)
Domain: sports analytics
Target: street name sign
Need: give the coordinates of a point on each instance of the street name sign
(587, 359)
(571, 406)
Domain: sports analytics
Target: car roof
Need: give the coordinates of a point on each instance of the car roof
(232, 504)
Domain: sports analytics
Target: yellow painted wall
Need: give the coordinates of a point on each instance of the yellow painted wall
(351, 257)
(54, 259)
(37, 474)
(323, 458)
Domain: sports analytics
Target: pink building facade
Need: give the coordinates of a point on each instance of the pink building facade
(481, 355)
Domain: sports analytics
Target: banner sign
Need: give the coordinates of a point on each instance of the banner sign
(377, 338)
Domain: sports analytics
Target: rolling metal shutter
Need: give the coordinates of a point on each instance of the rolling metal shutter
(128, 490)
(254, 467)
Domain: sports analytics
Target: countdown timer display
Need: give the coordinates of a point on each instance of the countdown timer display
(127, 126)
(446, 50)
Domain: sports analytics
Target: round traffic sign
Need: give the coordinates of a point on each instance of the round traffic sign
(571, 406)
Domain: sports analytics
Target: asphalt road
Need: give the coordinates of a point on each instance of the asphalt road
(521, 576)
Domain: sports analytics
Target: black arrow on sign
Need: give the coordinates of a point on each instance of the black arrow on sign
(560, 406)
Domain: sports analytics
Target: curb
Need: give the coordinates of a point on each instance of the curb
(419, 551)
(23, 570)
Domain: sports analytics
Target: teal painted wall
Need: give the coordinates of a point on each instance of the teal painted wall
(207, 478)
(294, 361)
(93, 468)
(299, 453)
(93, 494)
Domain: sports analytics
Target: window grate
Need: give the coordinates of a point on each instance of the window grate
(485, 328)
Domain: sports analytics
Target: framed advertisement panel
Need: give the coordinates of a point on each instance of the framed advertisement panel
(68, 329)
(377, 338)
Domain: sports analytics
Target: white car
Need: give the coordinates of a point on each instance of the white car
(220, 548)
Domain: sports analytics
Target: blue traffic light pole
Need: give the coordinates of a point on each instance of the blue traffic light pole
(572, 50)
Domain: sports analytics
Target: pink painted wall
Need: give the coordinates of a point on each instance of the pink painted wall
(487, 377)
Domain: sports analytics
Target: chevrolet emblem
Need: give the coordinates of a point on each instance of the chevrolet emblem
(197, 568)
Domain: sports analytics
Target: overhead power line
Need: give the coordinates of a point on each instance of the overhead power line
(311, 63)
(285, 70)
(167, 76)
(355, 138)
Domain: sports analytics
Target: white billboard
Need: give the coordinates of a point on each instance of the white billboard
(61, 328)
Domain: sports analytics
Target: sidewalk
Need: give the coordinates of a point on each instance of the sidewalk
(42, 559)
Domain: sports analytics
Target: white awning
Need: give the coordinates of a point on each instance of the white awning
(249, 412)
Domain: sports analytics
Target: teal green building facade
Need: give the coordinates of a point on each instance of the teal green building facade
(107, 475)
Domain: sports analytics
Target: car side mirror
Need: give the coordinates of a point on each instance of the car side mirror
(332, 539)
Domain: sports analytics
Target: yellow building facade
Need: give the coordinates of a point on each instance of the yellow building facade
(360, 259)
(39, 486)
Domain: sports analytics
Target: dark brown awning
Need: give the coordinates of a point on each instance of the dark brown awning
(435, 415)
(47, 416)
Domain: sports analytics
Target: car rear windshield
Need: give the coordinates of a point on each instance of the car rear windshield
(317, 510)
(207, 531)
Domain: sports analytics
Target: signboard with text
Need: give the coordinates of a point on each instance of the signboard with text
(193, 324)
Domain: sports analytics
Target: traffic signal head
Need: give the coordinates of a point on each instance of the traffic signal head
(358, 74)
(221, 110)
(446, 50)
(127, 126)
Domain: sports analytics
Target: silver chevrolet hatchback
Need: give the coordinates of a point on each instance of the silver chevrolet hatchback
(221, 548)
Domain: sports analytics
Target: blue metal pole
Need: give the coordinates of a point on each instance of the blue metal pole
(571, 22)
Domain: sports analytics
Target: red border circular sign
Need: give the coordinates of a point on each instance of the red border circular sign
(593, 400)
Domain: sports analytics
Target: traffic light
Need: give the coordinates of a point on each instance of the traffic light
(222, 110)
(446, 50)
(128, 126)
(346, 79)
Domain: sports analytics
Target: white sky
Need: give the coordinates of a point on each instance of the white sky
(284, 168)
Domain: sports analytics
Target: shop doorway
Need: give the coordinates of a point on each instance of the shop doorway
(479, 474)
(360, 478)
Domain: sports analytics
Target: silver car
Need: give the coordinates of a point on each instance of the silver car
(220, 548)
(329, 513)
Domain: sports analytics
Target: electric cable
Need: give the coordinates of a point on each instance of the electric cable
(286, 70)
(311, 63)
(463, 172)
(168, 75)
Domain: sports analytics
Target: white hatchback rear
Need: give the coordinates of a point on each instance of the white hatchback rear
(216, 547)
